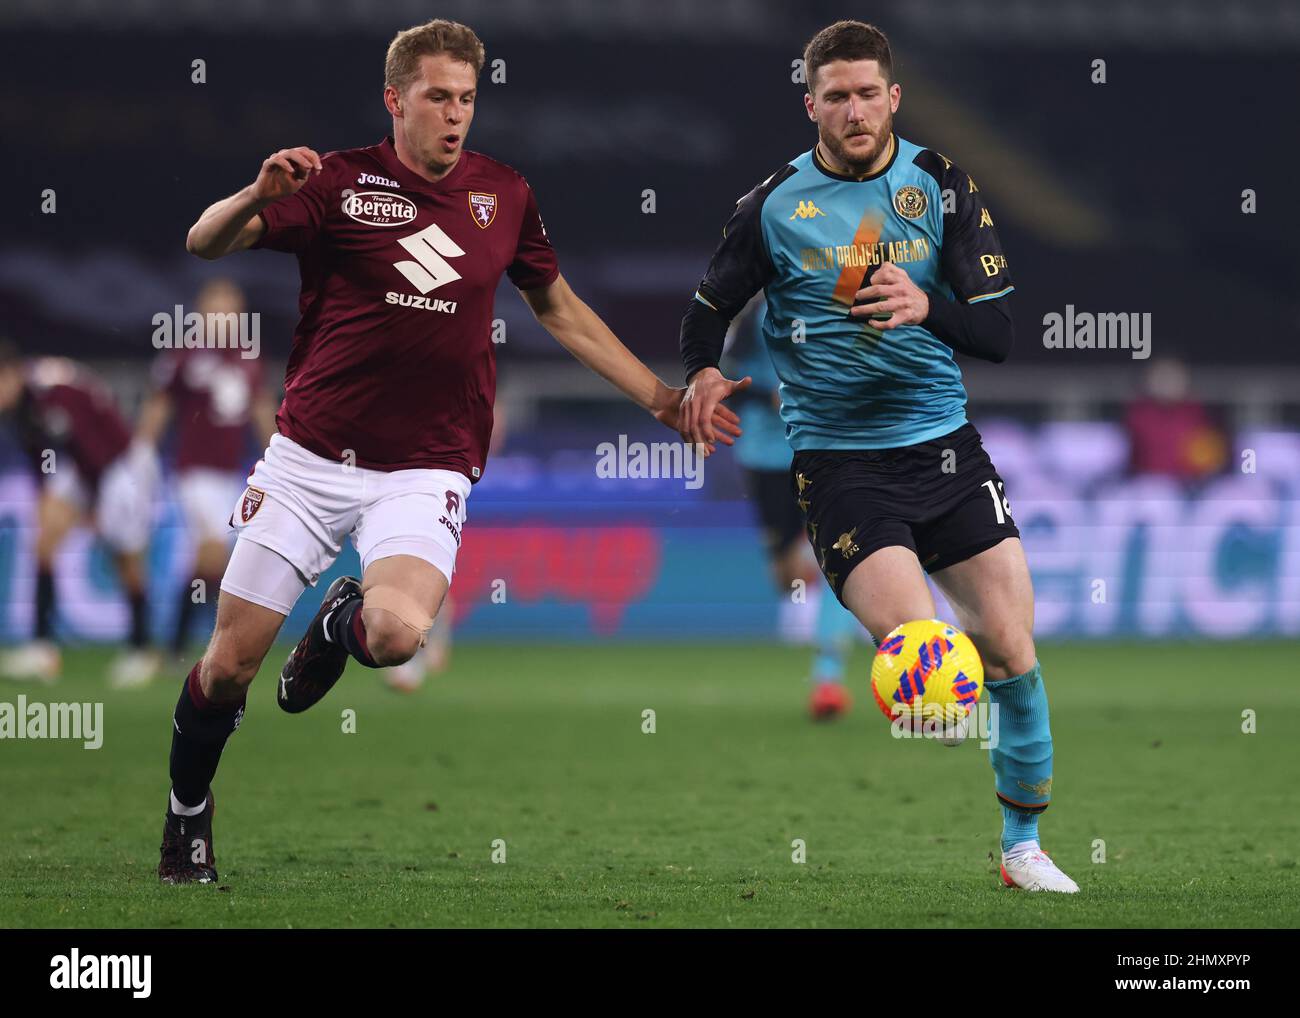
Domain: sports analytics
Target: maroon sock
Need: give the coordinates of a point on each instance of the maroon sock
(200, 729)
(349, 631)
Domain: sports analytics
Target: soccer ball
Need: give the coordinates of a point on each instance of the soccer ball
(927, 677)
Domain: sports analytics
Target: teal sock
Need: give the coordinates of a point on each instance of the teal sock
(1018, 827)
(834, 630)
(1022, 757)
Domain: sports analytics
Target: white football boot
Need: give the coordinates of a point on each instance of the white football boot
(1029, 867)
(134, 669)
(37, 660)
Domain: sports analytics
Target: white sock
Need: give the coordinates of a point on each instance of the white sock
(181, 810)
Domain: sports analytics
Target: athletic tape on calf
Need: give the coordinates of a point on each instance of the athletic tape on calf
(407, 609)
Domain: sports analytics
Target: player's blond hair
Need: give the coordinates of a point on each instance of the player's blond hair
(402, 64)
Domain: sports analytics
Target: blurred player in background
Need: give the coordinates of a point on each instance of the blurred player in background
(90, 469)
(765, 454)
(215, 400)
(880, 260)
(389, 395)
(1171, 432)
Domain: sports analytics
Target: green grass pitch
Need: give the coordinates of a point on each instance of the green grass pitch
(605, 826)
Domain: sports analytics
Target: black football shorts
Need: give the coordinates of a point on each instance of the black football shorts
(943, 499)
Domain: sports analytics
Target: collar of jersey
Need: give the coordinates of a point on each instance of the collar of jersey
(410, 179)
(893, 154)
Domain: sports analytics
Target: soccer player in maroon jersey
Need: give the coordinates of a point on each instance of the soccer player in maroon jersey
(88, 465)
(388, 399)
(212, 397)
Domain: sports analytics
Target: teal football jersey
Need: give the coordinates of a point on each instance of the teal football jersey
(810, 239)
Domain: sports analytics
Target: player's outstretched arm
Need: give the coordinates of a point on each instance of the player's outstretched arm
(580, 331)
(233, 224)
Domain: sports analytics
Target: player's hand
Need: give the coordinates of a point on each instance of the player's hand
(668, 412)
(701, 416)
(283, 172)
(891, 293)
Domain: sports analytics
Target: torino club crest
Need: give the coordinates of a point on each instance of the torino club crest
(252, 502)
(483, 207)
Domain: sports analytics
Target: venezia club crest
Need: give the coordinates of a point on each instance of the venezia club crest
(251, 502)
(910, 202)
(483, 207)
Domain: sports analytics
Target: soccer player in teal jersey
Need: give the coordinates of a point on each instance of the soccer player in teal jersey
(879, 261)
(765, 454)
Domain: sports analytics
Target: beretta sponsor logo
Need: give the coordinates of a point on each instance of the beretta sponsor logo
(379, 208)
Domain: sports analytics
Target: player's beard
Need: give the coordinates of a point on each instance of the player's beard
(857, 166)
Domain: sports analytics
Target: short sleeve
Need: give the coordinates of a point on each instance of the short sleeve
(534, 264)
(974, 264)
(292, 223)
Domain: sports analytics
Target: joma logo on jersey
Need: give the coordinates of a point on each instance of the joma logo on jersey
(370, 178)
(806, 210)
(379, 208)
(407, 300)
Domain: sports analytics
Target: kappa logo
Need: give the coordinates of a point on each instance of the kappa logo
(250, 503)
(483, 207)
(806, 210)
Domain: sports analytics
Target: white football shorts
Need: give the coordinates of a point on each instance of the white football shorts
(301, 506)
(125, 501)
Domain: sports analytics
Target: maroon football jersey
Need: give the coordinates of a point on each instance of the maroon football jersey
(212, 392)
(392, 357)
(69, 410)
